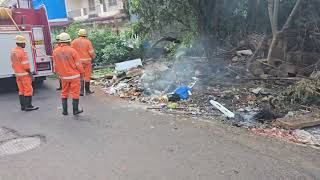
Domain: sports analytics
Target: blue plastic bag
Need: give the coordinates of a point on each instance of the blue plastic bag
(183, 92)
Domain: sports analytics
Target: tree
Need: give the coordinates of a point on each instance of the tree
(208, 20)
(157, 15)
(273, 9)
(217, 23)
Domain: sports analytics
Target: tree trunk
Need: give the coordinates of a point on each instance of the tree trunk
(274, 22)
(272, 46)
(273, 7)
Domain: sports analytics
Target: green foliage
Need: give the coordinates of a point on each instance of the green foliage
(102, 72)
(109, 47)
(170, 50)
(214, 22)
(202, 25)
(159, 14)
(73, 29)
(114, 53)
(306, 92)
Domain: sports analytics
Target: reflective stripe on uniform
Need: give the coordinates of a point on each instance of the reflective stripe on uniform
(86, 59)
(25, 62)
(91, 51)
(21, 74)
(71, 77)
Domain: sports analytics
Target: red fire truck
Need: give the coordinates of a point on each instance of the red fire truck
(22, 19)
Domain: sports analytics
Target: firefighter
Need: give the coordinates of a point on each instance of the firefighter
(55, 47)
(57, 42)
(21, 68)
(69, 68)
(85, 49)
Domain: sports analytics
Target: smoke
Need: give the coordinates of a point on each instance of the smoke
(187, 66)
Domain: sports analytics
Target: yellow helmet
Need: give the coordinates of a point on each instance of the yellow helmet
(20, 39)
(58, 37)
(82, 32)
(64, 37)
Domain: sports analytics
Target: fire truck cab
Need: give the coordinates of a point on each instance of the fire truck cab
(22, 19)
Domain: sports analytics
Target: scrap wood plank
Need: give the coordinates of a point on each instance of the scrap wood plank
(297, 122)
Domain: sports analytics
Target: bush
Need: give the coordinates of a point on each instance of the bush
(305, 92)
(109, 47)
(170, 50)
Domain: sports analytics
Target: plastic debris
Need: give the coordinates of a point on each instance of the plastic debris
(245, 53)
(221, 108)
(173, 106)
(305, 137)
(128, 65)
(183, 92)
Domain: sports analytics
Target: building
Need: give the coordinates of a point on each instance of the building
(64, 12)
(17, 3)
(95, 11)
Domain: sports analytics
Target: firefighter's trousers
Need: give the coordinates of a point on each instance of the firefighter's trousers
(25, 85)
(87, 66)
(72, 87)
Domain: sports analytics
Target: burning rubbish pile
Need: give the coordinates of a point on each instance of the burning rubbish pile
(195, 86)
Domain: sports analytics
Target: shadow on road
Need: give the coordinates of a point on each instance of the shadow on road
(9, 86)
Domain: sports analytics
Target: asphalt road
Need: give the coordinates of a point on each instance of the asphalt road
(116, 140)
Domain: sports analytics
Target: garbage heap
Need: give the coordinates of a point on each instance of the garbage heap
(219, 89)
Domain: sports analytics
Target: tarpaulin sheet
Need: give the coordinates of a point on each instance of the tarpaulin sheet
(56, 9)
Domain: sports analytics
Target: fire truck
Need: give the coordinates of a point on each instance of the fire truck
(22, 19)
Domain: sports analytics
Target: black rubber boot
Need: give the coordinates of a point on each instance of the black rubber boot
(88, 91)
(75, 104)
(60, 86)
(65, 106)
(22, 102)
(82, 88)
(29, 106)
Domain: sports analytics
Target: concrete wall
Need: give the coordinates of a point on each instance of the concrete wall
(76, 4)
(79, 9)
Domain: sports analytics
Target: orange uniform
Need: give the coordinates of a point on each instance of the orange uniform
(54, 48)
(21, 68)
(86, 52)
(68, 66)
(60, 85)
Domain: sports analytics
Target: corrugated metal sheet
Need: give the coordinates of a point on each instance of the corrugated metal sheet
(56, 9)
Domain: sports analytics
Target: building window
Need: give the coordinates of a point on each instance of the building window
(92, 5)
(113, 2)
(104, 4)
